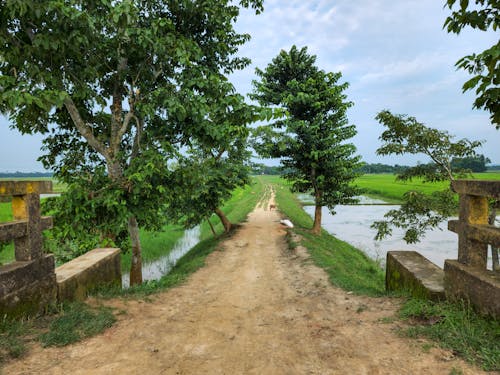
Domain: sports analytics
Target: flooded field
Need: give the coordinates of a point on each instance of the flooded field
(352, 224)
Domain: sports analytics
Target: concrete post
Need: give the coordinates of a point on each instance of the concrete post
(27, 207)
(473, 210)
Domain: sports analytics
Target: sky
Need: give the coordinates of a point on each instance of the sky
(395, 55)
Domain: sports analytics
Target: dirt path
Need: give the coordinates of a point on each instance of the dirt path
(256, 308)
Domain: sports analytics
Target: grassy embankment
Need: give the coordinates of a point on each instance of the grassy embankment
(72, 322)
(385, 186)
(453, 326)
(347, 267)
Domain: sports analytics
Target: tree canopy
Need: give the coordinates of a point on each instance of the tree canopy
(312, 139)
(485, 66)
(117, 88)
(419, 212)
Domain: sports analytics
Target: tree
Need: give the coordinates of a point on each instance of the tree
(116, 87)
(209, 172)
(485, 66)
(420, 212)
(311, 140)
(474, 164)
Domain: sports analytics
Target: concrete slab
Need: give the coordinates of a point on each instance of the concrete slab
(409, 270)
(80, 275)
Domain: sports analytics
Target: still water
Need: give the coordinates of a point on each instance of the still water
(352, 224)
(155, 270)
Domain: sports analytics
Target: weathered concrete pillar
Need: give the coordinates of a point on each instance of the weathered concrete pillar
(27, 207)
(473, 210)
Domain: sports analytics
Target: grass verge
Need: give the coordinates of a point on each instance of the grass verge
(66, 324)
(347, 266)
(455, 326)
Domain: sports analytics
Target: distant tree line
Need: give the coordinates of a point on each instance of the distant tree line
(367, 168)
(25, 174)
(474, 164)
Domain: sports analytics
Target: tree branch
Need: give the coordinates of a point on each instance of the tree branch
(84, 129)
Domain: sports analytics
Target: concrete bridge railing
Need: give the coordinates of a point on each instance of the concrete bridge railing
(32, 282)
(468, 277)
(28, 284)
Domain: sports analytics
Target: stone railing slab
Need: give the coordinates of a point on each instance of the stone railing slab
(410, 271)
(27, 287)
(483, 233)
(25, 187)
(19, 228)
(80, 275)
(483, 188)
(478, 286)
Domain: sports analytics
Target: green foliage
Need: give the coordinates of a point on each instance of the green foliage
(347, 267)
(405, 135)
(77, 321)
(206, 176)
(118, 88)
(381, 168)
(485, 66)
(419, 212)
(474, 164)
(312, 139)
(457, 327)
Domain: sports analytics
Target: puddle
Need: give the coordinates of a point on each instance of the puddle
(155, 270)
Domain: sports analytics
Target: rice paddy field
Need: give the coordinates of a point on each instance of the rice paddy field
(385, 186)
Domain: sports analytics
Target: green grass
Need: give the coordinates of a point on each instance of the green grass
(12, 338)
(385, 186)
(457, 327)
(76, 322)
(66, 324)
(347, 267)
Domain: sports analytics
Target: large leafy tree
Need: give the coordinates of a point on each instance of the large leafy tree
(485, 66)
(312, 140)
(116, 86)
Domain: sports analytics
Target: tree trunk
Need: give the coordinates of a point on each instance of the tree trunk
(317, 213)
(136, 267)
(317, 220)
(227, 224)
(212, 227)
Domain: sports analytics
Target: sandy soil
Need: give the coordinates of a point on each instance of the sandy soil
(256, 308)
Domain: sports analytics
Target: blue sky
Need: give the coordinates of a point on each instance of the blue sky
(394, 54)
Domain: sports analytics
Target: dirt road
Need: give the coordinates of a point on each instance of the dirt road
(256, 308)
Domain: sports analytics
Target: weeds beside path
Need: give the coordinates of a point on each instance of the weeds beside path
(256, 307)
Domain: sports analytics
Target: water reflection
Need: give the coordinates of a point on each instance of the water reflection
(155, 270)
(352, 224)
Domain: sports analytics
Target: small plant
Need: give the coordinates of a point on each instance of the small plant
(12, 344)
(77, 321)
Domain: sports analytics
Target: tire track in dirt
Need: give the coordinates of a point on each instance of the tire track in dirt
(255, 308)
